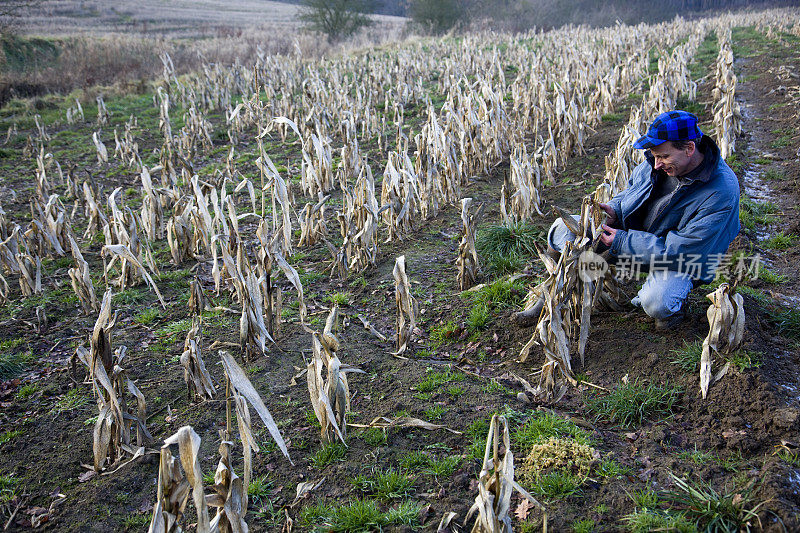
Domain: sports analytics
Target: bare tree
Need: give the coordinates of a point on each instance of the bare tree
(336, 18)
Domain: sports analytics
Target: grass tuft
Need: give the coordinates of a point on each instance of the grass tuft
(781, 241)
(505, 249)
(326, 455)
(712, 511)
(386, 485)
(631, 403)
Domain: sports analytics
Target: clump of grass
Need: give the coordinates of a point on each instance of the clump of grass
(506, 248)
(26, 391)
(544, 425)
(374, 437)
(629, 404)
(433, 379)
(752, 213)
(455, 391)
(787, 321)
(647, 520)
(774, 174)
(259, 488)
(768, 276)
(9, 435)
(73, 399)
(8, 487)
(364, 515)
(386, 485)
(713, 511)
(442, 333)
(314, 514)
(479, 317)
(135, 522)
(781, 241)
(698, 457)
(339, 298)
(500, 293)
(148, 316)
(476, 432)
(415, 460)
(611, 469)
(557, 484)
(13, 363)
(688, 356)
(442, 467)
(735, 162)
(585, 525)
(434, 412)
(327, 454)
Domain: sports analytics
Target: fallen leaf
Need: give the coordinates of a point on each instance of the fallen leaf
(522, 510)
(86, 476)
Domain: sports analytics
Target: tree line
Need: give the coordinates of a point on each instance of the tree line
(340, 18)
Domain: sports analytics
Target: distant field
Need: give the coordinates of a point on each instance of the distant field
(170, 18)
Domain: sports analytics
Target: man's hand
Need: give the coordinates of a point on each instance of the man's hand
(608, 234)
(612, 215)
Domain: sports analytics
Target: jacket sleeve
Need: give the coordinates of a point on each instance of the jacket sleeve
(697, 238)
(639, 173)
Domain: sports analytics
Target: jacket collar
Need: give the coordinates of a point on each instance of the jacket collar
(703, 173)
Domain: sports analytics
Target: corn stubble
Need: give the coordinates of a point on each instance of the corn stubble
(496, 484)
(330, 396)
(726, 332)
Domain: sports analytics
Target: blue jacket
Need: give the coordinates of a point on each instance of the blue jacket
(696, 225)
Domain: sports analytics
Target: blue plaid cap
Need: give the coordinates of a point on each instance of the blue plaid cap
(670, 126)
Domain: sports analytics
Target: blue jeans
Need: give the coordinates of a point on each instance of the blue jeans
(663, 293)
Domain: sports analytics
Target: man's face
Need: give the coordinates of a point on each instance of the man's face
(671, 160)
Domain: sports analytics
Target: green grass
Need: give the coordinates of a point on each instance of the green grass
(339, 298)
(130, 296)
(9, 435)
(434, 412)
(26, 391)
(373, 436)
(147, 316)
(688, 356)
(609, 469)
(385, 484)
(359, 515)
(774, 174)
(434, 379)
(647, 521)
(415, 461)
(442, 333)
(505, 249)
(736, 163)
(327, 454)
(613, 117)
(73, 399)
(455, 391)
(752, 213)
(135, 522)
(714, 511)
(629, 404)
(542, 426)
(585, 525)
(8, 487)
(557, 484)
(500, 293)
(698, 457)
(442, 467)
(13, 363)
(781, 241)
(768, 276)
(259, 488)
(479, 317)
(787, 322)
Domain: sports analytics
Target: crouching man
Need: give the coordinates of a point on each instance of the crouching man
(678, 216)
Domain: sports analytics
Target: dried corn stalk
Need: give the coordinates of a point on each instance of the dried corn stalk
(496, 484)
(197, 378)
(175, 485)
(102, 151)
(124, 254)
(726, 330)
(468, 267)
(407, 308)
(112, 431)
(230, 499)
(242, 386)
(81, 280)
(330, 397)
(30, 274)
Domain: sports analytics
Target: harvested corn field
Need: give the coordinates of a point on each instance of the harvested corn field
(339, 245)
